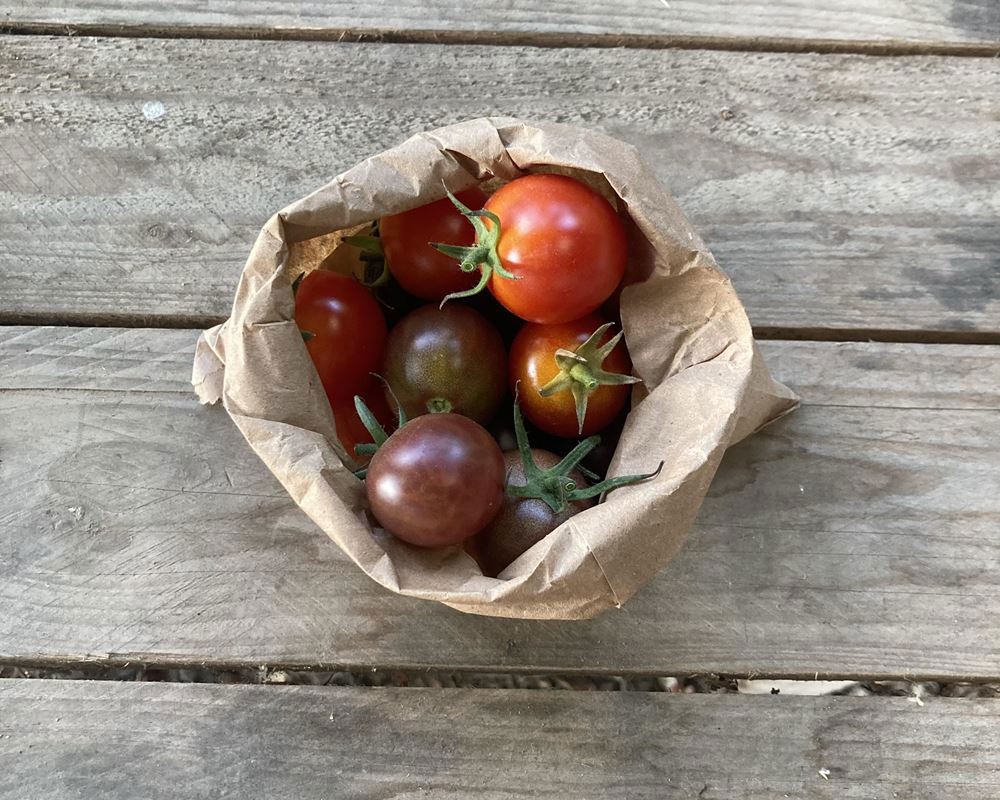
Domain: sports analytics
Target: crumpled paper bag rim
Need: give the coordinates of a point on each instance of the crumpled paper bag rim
(705, 383)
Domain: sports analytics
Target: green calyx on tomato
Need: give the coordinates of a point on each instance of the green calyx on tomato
(374, 428)
(482, 255)
(554, 486)
(376, 272)
(581, 371)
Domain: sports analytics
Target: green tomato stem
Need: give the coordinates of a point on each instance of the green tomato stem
(367, 244)
(581, 371)
(482, 255)
(611, 484)
(378, 434)
(554, 486)
(376, 270)
(439, 405)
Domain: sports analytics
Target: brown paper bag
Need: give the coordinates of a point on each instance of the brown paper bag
(705, 384)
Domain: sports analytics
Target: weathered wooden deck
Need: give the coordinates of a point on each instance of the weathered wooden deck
(842, 163)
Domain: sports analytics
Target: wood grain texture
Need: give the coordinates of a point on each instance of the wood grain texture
(855, 538)
(101, 740)
(841, 192)
(923, 21)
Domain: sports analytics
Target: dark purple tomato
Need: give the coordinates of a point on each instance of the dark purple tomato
(522, 522)
(447, 359)
(437, 480)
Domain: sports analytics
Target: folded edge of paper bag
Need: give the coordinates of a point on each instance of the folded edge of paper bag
(209, 365)
(706, 385)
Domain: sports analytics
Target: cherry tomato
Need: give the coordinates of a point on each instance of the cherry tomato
(446, 359)
(344, 329)
(418, 267)
(559, 253)
(533, 365)
(351, 430)
(522, 522)
(437, 480)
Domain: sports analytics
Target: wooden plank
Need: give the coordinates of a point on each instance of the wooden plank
(840, 192)
(866, 374)
(64, 739)
(860, 374)
(930, 22)
(855, 538)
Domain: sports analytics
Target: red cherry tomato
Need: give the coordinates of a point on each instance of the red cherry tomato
(437, 480)
(562, 241)
(419, 268)
(351, 430)
(532, 365)
(344, 329)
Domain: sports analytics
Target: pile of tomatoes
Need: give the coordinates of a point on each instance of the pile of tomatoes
(415, 346)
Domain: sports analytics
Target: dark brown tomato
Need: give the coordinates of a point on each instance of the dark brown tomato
(448, 359)
(522, 522)
(436, 481)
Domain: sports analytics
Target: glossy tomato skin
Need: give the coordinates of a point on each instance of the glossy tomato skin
(451, 354)
(522, 522)
(419, 268)
(532, 364)
(351, 430)
(437, 480)
(348, 332)
(563, 241)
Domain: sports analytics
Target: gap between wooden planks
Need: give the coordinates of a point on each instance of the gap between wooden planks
(757, 44)
(64, 739)
(854, 539)
(841, 193)
(888, 25)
